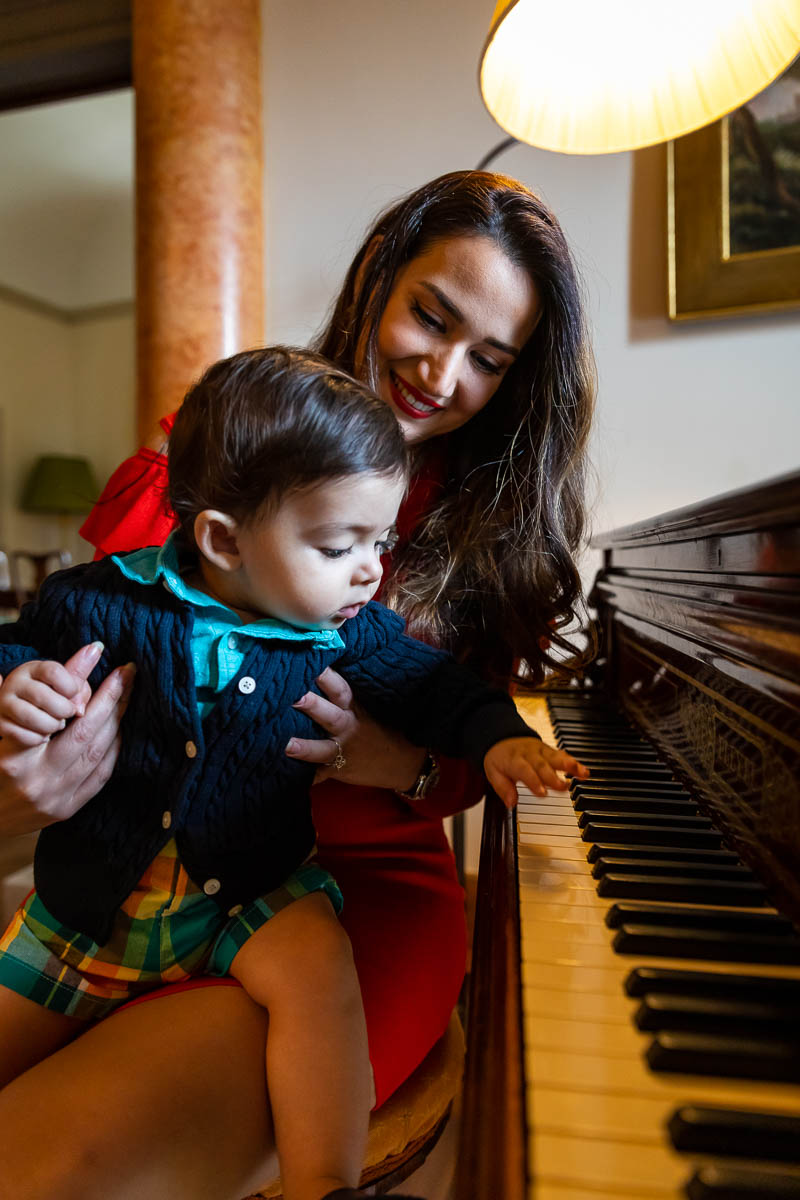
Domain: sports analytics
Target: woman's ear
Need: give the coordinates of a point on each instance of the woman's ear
(217, 537)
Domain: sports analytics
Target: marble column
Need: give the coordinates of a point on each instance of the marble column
(199, 213)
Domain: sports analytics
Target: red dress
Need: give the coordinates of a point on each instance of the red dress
(404, 906)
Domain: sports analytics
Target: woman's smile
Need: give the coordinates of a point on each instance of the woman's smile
(409, 399)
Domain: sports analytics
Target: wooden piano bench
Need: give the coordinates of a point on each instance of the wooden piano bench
(404, 1130)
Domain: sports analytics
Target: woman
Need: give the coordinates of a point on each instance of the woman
(462, 310)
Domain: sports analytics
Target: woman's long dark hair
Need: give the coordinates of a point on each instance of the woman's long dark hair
(490, 572)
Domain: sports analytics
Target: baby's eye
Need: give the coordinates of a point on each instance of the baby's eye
(330, 552)
(386, 545)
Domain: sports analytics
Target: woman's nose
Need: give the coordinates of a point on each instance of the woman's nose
(439, 372)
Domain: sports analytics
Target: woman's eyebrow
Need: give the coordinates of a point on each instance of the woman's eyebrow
(457, 315)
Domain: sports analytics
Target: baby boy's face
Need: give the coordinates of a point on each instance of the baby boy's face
(316, 560)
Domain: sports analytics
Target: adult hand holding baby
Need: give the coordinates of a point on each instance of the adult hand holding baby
(375, 756)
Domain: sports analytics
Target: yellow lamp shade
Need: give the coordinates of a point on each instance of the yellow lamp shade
(597, 76)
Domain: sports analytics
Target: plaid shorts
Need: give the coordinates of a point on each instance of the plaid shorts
(166, 931)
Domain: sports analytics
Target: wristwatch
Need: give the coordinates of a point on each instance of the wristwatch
(425, 782)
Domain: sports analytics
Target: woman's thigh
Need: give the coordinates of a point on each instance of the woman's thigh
(166, 1099)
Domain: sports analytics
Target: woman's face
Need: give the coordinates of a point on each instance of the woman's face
(457, 317)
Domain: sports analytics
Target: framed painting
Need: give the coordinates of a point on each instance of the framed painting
(734, 209)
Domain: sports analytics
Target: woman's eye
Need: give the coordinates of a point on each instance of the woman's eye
(427, 318)
(330, 552)
(487, 365)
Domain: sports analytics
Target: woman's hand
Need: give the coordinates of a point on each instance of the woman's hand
(376, 757)
(529, 761)
(48, 782)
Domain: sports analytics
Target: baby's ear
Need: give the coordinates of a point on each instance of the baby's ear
(217, 537)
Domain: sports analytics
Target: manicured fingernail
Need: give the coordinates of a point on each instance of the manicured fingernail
(300, 703)
(94, 651)
(291, 746)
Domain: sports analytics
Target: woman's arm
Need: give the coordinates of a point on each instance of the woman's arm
(50, 782)
(380, 757)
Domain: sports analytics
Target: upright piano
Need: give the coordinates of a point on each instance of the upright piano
(634, 1009)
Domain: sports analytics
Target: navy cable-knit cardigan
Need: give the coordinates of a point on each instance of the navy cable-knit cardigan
(239, 808)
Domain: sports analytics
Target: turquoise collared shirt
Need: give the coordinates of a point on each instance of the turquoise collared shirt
(218, 634)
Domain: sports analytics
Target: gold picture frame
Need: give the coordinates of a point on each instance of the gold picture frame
(705, 279)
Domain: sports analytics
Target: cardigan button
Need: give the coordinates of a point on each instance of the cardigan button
(191, 750)
(166, 820)
(233, 641)
(211, 887)
(234, 912)
(247, 685)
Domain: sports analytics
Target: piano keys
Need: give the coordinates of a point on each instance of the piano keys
(597, 1113)
(638, 1038)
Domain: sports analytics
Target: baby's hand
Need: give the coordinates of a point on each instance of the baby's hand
(529, 761)
(36, 701)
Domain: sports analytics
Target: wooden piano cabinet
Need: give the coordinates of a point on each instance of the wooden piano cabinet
(491, 1159)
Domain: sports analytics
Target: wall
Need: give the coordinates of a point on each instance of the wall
(66, 387)
(366, 99)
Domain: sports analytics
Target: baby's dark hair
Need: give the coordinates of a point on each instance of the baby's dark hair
(268, 422)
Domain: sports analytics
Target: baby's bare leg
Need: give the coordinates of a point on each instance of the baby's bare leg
(299, 966)
(29, 1033)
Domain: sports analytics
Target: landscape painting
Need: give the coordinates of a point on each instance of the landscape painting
(764, 169)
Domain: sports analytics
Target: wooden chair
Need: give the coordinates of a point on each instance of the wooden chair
(404, 1130)
(29, 569)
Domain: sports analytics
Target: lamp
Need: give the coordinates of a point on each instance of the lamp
(598, 76)
(60, 485)
(57, 484)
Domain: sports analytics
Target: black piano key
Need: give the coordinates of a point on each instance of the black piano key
(715, 945)
(710, 1014)
(609, 802)
(665, 835)
(693, 820)
(677, 888)
(693, 916)
(649, 791)
(709, 1130)
(631, 776)
(687, 853)
(727, 1183)
(648, 866)
(610, 740)
(601, 744)
(775, 1060)
(626, 757)
(766, 988)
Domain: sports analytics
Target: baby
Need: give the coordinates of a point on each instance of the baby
(197, 857)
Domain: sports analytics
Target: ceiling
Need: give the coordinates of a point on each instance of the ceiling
(66, 201)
